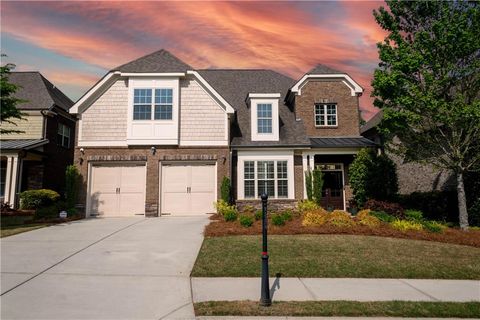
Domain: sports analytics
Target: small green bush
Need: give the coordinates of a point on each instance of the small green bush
(278, 219)
(248, 209)
(72, 179)
(341, 219)
(406, 225)
(434, 226)
(33, 199)
(222, 207)
(230, 214)
(246, 221)
(225, 189)
(258, 215)
(315, 217)
(307, 205)
(72, 211)
(382, 216)
(47, 212)
(414, 215)
(287, 215)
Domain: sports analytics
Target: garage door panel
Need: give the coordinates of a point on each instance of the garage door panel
(104, 203)
(203, 179)
(132, 204)
(132, 179)
(175, 178)
(176, 203)
(105, 179)
(202, 202)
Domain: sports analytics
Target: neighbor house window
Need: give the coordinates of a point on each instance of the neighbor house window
(264, 117)
(325, 115)
(63, 135)
(160, 100)
(270, 177)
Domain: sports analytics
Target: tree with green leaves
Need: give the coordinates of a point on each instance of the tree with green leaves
(428, 85)
(8, 100)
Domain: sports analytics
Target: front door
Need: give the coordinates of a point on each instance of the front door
(332, 192)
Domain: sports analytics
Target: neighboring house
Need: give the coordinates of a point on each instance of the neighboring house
(156, 136)
(412, 176)
(37, 157)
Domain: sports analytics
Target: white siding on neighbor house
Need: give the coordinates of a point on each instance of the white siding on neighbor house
(32, 126)
(106, 118)
(202, 120)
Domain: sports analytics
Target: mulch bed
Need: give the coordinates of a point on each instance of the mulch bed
(218, 228)
(6, 212)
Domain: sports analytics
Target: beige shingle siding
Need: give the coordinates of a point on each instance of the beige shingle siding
(32, 127)
(201, 118)
(106, 118)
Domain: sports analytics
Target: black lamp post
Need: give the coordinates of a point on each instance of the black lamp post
(265, 299)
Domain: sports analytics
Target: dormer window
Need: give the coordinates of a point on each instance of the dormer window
(264, 116)
(142, 104)
(326, 115)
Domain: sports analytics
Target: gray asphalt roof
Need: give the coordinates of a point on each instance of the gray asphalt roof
(38, 91)
(22, 144)
(234, 85)
(373, 122)
(323, 69)
(156, 62)
(339, 142)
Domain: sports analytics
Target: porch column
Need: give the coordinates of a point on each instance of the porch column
(11, 180)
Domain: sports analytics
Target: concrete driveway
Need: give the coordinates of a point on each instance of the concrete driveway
(116, 268)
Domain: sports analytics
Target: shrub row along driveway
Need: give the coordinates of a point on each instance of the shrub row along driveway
(114, 268)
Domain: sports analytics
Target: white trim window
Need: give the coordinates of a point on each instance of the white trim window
(264, 118)
(161, 103)
(266, 176)
(63, 135)
(326, 115)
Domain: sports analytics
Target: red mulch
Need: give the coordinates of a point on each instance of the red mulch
(13, 212)
(218, 228)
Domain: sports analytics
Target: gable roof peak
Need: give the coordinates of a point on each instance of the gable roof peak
(323, 69)
(161, 61)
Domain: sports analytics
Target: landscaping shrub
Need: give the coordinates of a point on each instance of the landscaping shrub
(72, 178)
(435, 205)
(372, 176)
(414, 215)
(248, 209)
(258, 215)
(316, 217)
(307, 205)
(287, 215)
(382, 216)
(46, 212)
(317, 186)
(278, 219)
(434, 226)
(246, 221)
(223, 207)
(71, 212)
(363, 213)
(472, 192)
(339, 218)
(369, 221)
(33, 199)
(230, 214)
(225, 189)
(391, 208)
(309, 184)
(406, 225)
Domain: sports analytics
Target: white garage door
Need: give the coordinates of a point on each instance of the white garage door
(117, 190)
(188, 189)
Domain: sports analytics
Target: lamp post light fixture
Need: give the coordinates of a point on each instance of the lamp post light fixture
(265, 299)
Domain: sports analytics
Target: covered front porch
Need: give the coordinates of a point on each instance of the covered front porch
(333, 157)
(21, 168)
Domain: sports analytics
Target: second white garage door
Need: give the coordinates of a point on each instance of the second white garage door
(188, 189)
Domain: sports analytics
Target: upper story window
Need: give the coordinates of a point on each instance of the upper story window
(160, 100)
(325, 115)
(264, 118)
(63, 135)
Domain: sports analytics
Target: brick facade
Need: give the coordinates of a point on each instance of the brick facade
(218, 155)
(316, 91)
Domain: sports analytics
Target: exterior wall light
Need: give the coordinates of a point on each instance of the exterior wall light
(153, 150)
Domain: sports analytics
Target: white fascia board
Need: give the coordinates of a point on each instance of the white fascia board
(264, 95)
(74, 109)
(133, 74)
(354, 86)
(228, 107)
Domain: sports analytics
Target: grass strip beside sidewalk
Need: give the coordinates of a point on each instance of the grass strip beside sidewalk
(340, 308)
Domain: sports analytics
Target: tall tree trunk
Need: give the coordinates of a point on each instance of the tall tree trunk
(462, 202)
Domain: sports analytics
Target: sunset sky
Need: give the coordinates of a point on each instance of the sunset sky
(73, 44)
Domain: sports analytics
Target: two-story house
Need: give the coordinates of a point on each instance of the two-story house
(156, 136)
(36, 157)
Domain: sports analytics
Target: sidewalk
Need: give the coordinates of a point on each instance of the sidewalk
(350, 289)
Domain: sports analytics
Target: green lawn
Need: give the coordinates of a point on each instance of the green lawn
(337, 256)
(6, 231)
(340, 308)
